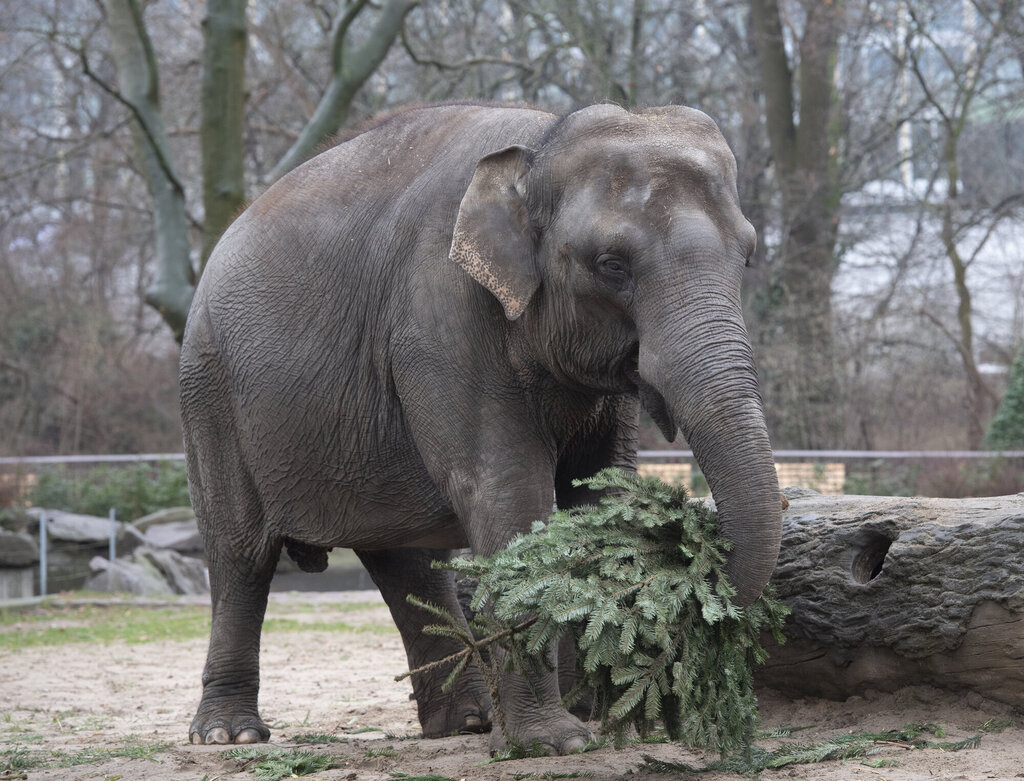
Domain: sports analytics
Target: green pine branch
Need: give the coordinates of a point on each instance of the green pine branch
(638, 581)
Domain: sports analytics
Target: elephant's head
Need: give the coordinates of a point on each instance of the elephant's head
(618, 245)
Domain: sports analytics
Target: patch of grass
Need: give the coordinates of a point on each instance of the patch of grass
(16, 732)
(362, 730)
(386, 751)
(131, 625)
(271, 764)
(135, 625)
(332, 607)
(316, 737)
(21, 736)
(19, 758)
(398, 774)
(291, 625)
(16, 760)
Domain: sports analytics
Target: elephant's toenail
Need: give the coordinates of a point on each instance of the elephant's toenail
(218, 735)
(197, 739)
(248, 736)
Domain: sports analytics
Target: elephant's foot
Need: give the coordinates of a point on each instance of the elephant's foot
(467, 709)
(549, 730)
(227, 725)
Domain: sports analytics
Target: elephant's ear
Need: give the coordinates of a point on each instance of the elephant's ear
(492, 239)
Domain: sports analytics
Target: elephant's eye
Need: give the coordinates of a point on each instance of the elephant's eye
(612, 266)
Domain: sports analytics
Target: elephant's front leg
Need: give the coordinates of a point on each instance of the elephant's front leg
(501, 503)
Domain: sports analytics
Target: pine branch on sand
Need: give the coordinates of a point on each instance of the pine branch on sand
(638, 581)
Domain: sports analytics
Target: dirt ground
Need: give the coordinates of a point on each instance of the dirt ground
(76, 698)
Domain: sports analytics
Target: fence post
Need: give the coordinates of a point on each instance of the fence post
(42, 554)
(113, 534)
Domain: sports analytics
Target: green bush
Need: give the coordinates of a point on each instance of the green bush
(1006, 430)
(132, 491)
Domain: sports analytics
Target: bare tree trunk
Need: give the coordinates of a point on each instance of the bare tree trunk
(223, 117)
(799, 367)
(171, 290)
(636, 51)
(222, 127)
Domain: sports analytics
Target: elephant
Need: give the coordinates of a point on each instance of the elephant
(417, 340)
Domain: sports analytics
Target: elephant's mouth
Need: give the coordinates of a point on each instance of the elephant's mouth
(651, 400)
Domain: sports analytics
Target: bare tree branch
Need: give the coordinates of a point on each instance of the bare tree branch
(155, 146)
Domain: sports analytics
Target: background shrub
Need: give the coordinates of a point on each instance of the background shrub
(132, 491)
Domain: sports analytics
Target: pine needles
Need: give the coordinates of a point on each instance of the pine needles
(271, 764)
(856, 745)
(638, 581)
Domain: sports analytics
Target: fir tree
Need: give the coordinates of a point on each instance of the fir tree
(1006, 429)
(638, 581)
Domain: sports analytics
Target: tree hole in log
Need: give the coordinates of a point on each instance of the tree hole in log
(870, 555)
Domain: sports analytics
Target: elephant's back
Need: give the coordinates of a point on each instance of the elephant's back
(343, 228)
(296, 310)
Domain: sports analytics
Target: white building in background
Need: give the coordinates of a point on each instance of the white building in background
(895, 276)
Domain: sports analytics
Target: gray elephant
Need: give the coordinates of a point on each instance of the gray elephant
(345, 383)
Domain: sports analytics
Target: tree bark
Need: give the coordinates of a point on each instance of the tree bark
(889, 592)
(798, 362)
(222, 128)
(171, 291)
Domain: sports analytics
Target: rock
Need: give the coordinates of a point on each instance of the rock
(181, 536)
(168, 515)
(73, 540)
(127, 575)
(184, 574)
(73, 527)
(150, 571)
(17, 549)
(888, 592)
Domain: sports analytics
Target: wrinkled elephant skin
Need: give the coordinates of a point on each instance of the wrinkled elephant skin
(413, 341)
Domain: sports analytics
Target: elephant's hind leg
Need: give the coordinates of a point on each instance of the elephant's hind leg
(402, 571)
(241, 558)
(239, 586)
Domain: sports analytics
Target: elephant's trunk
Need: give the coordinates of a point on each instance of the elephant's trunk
(700, 362)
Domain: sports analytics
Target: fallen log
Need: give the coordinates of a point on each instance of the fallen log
(888, 592)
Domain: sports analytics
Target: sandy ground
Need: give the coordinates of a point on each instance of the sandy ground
(94, 696)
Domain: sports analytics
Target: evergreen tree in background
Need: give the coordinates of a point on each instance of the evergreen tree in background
(1006, 429)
